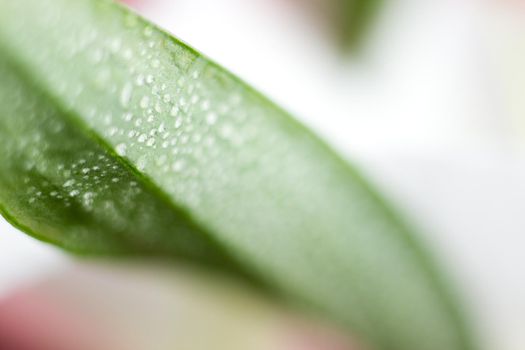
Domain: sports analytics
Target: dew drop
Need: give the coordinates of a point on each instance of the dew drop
(141, 163)
(158, 107)
(205, 105)
(69, 183)
(174, 111)
(211, 118)
(121, 149)
(140, 80)
(178, 166)
(144, 102)
(112, 131)
(125, 94)
(88, 199)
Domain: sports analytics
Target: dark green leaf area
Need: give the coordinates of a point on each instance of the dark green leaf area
(58, 182)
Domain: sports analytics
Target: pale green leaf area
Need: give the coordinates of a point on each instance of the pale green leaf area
(117, 138)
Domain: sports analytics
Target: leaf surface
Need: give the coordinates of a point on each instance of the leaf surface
(117, 138)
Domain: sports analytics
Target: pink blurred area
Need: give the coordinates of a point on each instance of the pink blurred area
(109, 307)
(29, 320)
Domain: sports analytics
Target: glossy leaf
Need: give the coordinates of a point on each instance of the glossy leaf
(117, 138)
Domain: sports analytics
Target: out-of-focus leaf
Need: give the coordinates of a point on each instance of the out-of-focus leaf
(348, 22)
(117, 138)
(355, 18)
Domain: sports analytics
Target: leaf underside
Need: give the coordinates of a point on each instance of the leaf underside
(117, 138)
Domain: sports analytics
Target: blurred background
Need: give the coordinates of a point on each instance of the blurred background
(427, 97)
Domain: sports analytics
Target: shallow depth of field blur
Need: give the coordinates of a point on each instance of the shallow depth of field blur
(430, 105)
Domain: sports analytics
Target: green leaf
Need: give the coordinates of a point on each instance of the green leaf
(355, 17)
(117, 138)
